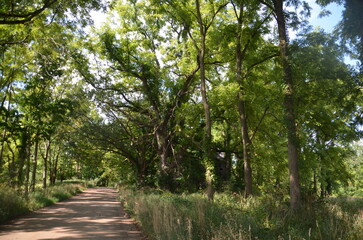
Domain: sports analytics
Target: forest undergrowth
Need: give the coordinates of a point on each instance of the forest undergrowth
(14, 203)
(230, 216)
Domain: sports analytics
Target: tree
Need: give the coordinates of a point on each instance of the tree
(204, 26)
(328, 125)
(290, 119)
(179, 95)
(33, 42)
(14, 14)
(147, 74)
(23, 12)
(351, 25)
(245, 13)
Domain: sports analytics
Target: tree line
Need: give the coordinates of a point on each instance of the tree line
(180, 95)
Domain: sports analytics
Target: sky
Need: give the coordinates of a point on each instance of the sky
(328, 22)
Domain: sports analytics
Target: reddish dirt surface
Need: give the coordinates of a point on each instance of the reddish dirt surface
(93, 214)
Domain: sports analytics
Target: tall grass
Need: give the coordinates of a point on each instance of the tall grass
(11, 204)
(169, 217)
(14, 203)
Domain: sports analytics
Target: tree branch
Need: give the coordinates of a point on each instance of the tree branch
(214, 15)
(259, 123)
(249, 69)
(25, 17)
(267, 5)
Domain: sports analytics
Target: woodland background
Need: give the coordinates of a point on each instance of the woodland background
(182, 96)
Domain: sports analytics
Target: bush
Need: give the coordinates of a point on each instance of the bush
(45, 197)
(85, 183)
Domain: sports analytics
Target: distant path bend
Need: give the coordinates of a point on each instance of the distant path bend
(93, 214)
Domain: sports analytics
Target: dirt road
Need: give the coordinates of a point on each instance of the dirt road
(93, 214)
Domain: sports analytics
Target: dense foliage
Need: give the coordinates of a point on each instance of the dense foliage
(182, 96)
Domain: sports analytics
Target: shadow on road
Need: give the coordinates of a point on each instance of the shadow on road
(93, 214)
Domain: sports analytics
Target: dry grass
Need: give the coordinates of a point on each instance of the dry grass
(193, 217)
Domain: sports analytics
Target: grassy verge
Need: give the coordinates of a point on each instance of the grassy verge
(168, 216)
(14, 203)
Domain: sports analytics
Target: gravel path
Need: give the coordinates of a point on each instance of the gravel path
(93, 214)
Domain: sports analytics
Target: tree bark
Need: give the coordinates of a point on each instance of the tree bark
(315, 184)
(162, 142)
(5, 130)
(55, 168)
(11, 166)
(22, 156)
(50, 168)
(207, 116)
(295, 195)
(2, 148)
(225, 163)
(27, 171)
(45, 164)
(35, 162)
(166, 168)
(246, 141)
(246, 147)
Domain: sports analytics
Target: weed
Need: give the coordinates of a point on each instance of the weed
(230, 216)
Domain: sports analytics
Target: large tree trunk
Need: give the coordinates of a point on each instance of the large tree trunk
(207, 116)
(22, 156)
(162, 142)
(246, 147)
(35, 162)
(2, 148)
(27, 171)
(55, 168)
(167, 168)
(224, 163)
(45, 163)
(315, 184)
(11, 166)
(50, 168)
(295, 196)
(246, 142)
(5, 130)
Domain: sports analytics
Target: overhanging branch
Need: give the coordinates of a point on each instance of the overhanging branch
(24, 18)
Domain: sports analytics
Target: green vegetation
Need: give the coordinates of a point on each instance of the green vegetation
(15, 203)
(230, 216)
(187, 96)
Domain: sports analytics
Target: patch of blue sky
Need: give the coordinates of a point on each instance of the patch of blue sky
(329, 22)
